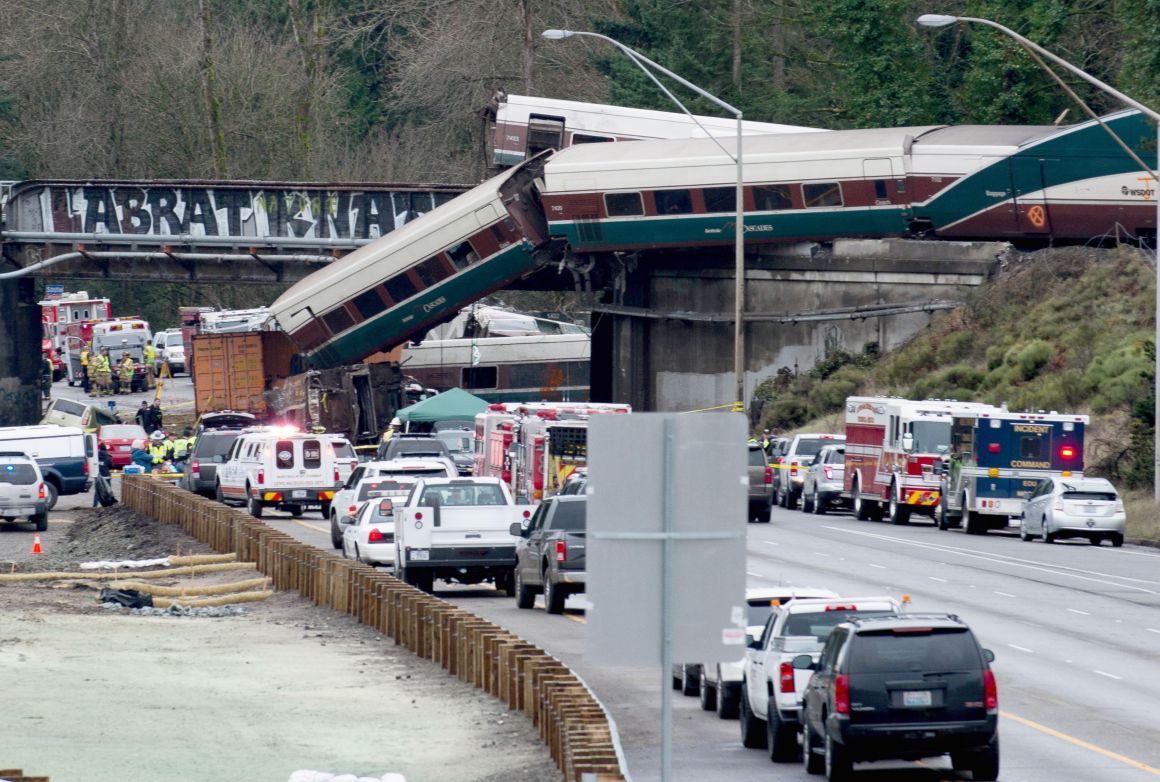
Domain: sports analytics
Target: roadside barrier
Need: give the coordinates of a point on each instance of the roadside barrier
(571, 721)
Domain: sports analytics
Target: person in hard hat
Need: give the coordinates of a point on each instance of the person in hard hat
(85, 379)
(766, 441)
(125, 370)
(393, 429)
(182, 446)
(150, 365)
(103, 373)
(160, 450)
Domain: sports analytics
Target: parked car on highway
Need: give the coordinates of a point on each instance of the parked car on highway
(417, 446)
(719, 684)
(790, 472)
(550, 555)
(460, 442)
(823, 487)
(1074, 508)
(209, 452)
(234, 420)
(119, 440)
(372, 484)
(370, 538)
(66, 456)
(169, 349)
(760, 485)
(900, 687)
(23, 493)
(771, 690)
(70, 412)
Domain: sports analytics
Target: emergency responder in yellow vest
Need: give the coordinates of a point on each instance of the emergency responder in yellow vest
(103, 372)
(392, 430)
(160, 449)
(85, 384)
(182, 446)
(150, 365)
(125, 372)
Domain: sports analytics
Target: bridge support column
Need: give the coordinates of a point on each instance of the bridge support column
(20, 335)
(620, 344)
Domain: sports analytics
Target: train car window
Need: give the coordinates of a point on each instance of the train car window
(720, 199)
(584, 138)
(500, 236)
(338, 320)
(880, 189)
(770, 198)
(673, 202)
(368, 304)
(479, 377)
(817, 194)
(431, 271)
(400, 287)
(462, 255)
(900, 185)
(623, 204)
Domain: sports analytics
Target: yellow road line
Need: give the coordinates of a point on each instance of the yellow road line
(1107, 753)
(575, 618)
(308, 525)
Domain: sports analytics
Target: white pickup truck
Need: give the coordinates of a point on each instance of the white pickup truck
(771, 689)
(458, 529)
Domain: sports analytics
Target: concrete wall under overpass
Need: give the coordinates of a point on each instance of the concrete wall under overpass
(667, 340)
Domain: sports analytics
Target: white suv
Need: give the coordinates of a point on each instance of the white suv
(22, 490)
(282, 468)
(170, 347)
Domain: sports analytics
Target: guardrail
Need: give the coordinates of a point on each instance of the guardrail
(571, 721)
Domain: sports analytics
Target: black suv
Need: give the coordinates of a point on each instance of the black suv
(209, 452)
(902, 687)
(412, 446)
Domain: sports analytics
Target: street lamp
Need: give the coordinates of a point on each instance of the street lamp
(645, 64)
(943, 20)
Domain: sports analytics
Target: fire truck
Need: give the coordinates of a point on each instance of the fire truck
(68, 324)
(998, 458)
(892, 446)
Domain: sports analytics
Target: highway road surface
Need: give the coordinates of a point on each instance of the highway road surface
(1075, 630)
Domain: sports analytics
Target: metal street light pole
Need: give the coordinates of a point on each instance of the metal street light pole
(943, 20)
(645, 64)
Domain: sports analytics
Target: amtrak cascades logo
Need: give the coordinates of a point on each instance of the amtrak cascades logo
(730, 228)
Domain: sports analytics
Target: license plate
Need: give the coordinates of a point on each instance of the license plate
(420, 556)
(916, 698)
(124, 448)
(298, 493)
(1091, 511)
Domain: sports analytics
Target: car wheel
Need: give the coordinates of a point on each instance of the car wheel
(40, 520)
(983, 763)
(335, 533)
(811, 759)
(781, 499)
(780, 736)
(808, 501)
(752, 729)
(765, 514)
(1095, 540)
(728, 699)
(554, 597)
(424, 580)
(861, 507)
(217, 493)
(820, 501)
(294, 510)
(899, 512)
(325, 510)
(690, 681)
(1023, 534)
(838, 765)
(1048, 537)
(51, 494)
(707, 694)
(344, 554)
(791, 499)
(1117, 539)
(975, 523)
(944, 519)
(525, 595)
(254, 505)
(504, 583)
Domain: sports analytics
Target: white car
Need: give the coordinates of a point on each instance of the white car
(1074, 508)
(371, 538)
(347, 499)
(170, 348)
(719, 684)
(283, 468)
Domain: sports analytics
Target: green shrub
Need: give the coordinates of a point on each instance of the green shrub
(1032, 357)
(956, 346)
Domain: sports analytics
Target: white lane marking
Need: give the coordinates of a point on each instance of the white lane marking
(1002, 559)
(1068, 662)
(1021, 648)
(1153, 630)
(1004, 594)
(936, 578)
(770, 543)
(1077, 611)
(1105, 673)
(755, 575)
(880, 567)
(820, 554)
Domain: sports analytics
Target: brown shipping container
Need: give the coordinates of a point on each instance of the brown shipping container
(231, 371)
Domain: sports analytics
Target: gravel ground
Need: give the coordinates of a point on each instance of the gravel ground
(96, 694)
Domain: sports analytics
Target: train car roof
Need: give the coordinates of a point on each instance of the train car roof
(984, 136)
(422, 232)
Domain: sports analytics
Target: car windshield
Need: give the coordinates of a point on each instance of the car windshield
(931, 436)
(18, 474)
(122, 432)
(819, 624)
(570, 515)
(457, 441)
(463, 495)
(946, 651)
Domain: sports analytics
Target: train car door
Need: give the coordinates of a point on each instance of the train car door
(1028, 186)
(544, 133)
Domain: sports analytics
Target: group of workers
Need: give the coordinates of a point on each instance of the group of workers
(101, 376)
(162, 452)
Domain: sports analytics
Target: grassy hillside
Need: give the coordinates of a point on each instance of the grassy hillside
(1062, 329)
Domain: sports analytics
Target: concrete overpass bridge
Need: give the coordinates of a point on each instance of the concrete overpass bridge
(662, 336)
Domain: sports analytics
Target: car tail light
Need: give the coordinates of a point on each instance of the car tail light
(336, 478)
(374, 536)
(842, 694)
(42, 493)
(990, 692)
(768, 476)
(1059, 504)
(785, 676)
(261, 477)
(561, 551)
(793, 468)
(195, 467)
(1119, 507)
(829, 471)
(86, 466)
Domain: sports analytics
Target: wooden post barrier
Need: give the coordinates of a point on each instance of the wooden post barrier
(571, 722)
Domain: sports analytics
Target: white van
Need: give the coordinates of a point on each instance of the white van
(282, 468)
(66, 455)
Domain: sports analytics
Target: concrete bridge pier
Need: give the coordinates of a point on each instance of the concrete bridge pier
(20, 334)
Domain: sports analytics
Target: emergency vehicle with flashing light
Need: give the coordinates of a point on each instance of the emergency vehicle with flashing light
(997, 460)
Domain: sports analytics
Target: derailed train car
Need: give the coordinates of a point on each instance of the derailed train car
(1036, 184)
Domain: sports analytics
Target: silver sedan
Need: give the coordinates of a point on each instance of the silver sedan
(1074, 508)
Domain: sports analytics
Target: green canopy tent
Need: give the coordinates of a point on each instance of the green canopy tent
(453, 405)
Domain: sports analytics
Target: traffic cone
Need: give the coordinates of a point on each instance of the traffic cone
(36, 544)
